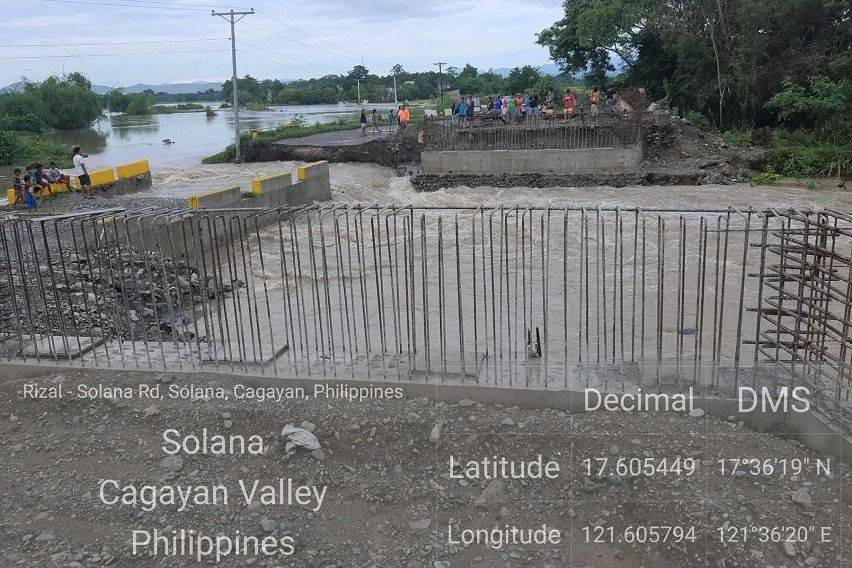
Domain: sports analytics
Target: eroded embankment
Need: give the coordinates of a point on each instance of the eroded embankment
(400, 148)
(434, 182)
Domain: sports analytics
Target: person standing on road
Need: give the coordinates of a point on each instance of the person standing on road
(595, 100)
(363, 122)
(82, 171)
(404, 117)
(461, 111)
(375, 117)
(569, 101)
(391, 119)
(533, 104)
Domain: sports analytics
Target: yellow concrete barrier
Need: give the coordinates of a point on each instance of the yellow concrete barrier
(271, 183)
(304, 171)
(132, 169)
(101, 177)
(217, 198)
(10, 196)
(58, 188)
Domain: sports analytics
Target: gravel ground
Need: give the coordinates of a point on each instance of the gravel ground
(390, 499)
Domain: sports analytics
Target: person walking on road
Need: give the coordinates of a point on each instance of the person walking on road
(363, 122)
(375, 117)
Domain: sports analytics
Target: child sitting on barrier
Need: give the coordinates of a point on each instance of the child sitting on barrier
(53, 175)
(23, 192)
(34, 178)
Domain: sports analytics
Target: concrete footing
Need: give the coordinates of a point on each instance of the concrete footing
(531, 161)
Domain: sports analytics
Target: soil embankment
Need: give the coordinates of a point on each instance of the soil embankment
(675, 153)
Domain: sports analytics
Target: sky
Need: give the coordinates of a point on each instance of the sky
(122, 42)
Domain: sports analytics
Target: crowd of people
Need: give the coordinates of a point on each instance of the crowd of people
(398, 118)
(34, 181)
(517, 106)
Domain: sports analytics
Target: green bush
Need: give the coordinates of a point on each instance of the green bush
(19, 149)
(762, 178)
(54, 103)
(809, 161)
(739, 138)
(10, 148)
(698, 119)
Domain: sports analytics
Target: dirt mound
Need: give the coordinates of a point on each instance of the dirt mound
(675, 143)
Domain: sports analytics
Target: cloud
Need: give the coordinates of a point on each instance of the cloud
(315, 37)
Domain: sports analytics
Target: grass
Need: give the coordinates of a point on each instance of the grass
(797, 154)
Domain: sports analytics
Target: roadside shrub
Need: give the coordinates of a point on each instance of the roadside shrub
(739, 138)
(817, 160)
(9, 147)
(698, 119)
(762, 178)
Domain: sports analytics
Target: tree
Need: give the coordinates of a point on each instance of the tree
(397, 69)
(723, 58)
(116, 100)
(139, 103)
(522, 79)
(358, 72)
(54, 103)
(823, 105)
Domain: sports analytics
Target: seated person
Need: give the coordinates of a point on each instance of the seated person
(23, 192)
(34, 178)
(53, 175)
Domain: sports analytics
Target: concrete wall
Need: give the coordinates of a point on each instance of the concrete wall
(185, 236)
(313, 184)
(531, 161)
(217, 198)
(124, 178)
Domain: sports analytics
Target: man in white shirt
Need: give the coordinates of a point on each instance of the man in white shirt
(81, 171)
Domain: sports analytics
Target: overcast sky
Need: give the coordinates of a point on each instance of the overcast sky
(285, 39)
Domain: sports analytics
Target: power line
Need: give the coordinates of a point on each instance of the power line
(153, 4)
(274, 61)
(104, 44)
(360, 56)
(194, 4)
(146, 6)
(309, 46)
(290, 57)
(112, 54)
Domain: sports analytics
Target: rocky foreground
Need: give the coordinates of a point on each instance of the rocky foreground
(390, 497)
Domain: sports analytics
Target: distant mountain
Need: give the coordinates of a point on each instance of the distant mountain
(174, 88)
(546, 69)
(170, 88)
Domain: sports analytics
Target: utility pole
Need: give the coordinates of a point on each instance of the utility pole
(440, 65)
(231, 16)
(359, 90)
(395, 100)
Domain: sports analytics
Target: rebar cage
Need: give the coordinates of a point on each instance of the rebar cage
(537, 132)
(516, 297)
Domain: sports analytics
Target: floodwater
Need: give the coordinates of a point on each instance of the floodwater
(370, 183)
(117, 138)
(662, 291)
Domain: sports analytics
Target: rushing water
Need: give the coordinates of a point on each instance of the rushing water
(117, 138)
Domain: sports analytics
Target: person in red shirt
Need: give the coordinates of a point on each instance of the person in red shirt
(568, 103)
